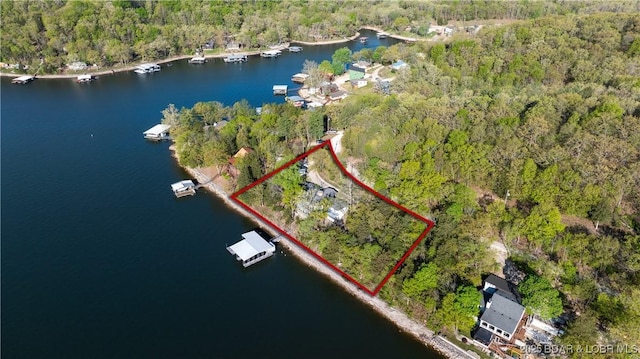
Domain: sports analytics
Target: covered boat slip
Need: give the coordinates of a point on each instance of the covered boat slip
(184, 188)
(146, 68)
(299, 78)
(271, 53)
(280, 89)
(22, 79)
(252, 249)
(157, 132)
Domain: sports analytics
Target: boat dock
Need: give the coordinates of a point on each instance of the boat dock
(198, 60)
(299, 78)
(146, 68)
(184, 188)
(295, 48)
(157, 132)
(235, 58)
(23, 79)
(280, 89)
(85, 78)
(252, 249)
(270, 53)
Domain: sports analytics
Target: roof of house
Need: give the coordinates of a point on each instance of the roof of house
(242, 152)
(503, 313)
(251, 244)
(356, 69)
(501, 285)
(498, 282)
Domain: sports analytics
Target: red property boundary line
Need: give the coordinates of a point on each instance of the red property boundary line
(328, 144)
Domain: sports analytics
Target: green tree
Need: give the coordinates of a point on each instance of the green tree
(540, 298)
(424, 280)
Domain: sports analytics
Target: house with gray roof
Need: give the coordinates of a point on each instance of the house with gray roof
(501, 312)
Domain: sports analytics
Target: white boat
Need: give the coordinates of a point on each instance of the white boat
(271, 53)
(363, 39)
(236, 58)
(295, 48)
(146, 68)
(198, 60)
(85, 78)
(382, 35)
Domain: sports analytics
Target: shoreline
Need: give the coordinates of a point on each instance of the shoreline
(132, 66)
(400, 319)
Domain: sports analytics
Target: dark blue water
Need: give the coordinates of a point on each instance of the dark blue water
(99, 260)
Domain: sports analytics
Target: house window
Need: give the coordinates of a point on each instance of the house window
(484, 324)
(492, 327)
(499, 331)
(507, 335)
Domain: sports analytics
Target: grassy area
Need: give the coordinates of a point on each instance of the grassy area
(464, 346)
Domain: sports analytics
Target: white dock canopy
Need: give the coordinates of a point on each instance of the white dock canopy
(280, 89)
(251, 245)
(22, 79)
(157, 131)
(182, 185)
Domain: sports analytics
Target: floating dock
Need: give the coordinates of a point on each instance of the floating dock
(23, 79)
(235, 58)
(299, 78)
(271, 53)
(252, 249)
(157, 132)
(198, 60)
(295, 48)
(280, 89)
(85, 78)
(146, 68)
(184, 188)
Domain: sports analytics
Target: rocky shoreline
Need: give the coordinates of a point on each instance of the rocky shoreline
(399, 318)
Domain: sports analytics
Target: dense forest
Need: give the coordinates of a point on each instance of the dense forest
(366, 247)
(48, 35)
(525, 136)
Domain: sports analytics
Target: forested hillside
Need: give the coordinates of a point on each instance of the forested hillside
(50, 34)
(544, 114)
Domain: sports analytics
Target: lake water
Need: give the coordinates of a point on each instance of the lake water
(99, 260)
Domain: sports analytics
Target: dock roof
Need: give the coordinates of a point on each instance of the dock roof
(157, 130)
(251, 245)
(182, 185)
(23, 78)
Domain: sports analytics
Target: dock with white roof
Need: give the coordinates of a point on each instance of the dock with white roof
(157, 132)
(23, 79)
(252, 249)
